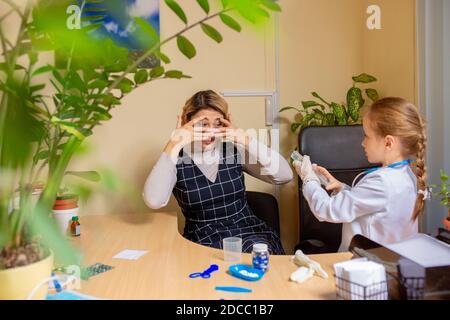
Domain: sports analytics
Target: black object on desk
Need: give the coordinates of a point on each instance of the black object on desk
(407, 279)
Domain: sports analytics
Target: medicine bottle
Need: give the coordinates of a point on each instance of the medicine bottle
(260, 256)
(75, 227)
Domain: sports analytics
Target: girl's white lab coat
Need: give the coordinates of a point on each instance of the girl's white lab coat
(379, 207)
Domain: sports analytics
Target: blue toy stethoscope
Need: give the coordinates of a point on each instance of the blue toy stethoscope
(393, 165)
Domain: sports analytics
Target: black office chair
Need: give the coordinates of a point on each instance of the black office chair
(339, 150)
(265, 207)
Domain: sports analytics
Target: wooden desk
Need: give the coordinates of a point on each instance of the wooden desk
(163, 272)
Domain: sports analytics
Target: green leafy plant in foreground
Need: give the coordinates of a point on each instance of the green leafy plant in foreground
(40, 133)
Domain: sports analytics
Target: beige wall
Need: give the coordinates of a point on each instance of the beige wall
(322, 44)
(390, 53)
(321, 48)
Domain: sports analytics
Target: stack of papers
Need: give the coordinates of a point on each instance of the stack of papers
(360, 279)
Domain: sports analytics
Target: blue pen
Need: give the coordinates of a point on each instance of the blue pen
(234, 289)
(56, 283)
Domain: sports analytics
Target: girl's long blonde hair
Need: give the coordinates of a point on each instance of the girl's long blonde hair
(400, 118)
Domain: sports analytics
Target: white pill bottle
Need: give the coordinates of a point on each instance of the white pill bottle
(260, 256)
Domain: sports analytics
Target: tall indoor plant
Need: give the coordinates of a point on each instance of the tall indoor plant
(39, 134)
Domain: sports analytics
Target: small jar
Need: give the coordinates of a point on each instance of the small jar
(260, 256)
(75, 227)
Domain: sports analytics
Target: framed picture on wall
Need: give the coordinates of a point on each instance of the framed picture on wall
(117, 22)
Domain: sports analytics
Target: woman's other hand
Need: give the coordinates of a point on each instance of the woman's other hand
(233, 134)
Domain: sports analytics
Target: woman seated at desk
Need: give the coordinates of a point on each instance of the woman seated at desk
(202, 165)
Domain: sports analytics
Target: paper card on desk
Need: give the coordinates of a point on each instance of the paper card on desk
(130, 254)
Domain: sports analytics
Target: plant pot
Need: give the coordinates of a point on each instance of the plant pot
(17, 283)
(447, 221)
(66, 202)
(64, 209)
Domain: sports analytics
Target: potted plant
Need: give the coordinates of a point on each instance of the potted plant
(320, 112)
(444, 197)
(40, 134)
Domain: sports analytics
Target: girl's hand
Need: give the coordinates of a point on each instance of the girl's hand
(334, 184)
(231, 133)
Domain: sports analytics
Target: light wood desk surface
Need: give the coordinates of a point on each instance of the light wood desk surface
(163, 273)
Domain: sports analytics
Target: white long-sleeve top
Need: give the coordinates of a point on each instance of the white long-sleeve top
(379, 207)
(260, 162)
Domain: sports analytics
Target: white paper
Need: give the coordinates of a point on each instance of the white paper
(130, 254)
(424, 250)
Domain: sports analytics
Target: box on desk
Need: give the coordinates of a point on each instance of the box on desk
(417, 268)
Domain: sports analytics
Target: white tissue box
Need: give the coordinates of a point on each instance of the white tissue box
(360, 279)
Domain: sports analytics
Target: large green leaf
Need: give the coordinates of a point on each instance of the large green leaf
(59, 77)
(42, 70)
(74, 81)
(250, 10)
(340, 113)
(70, 127)
(126, 85)
(212, 32)
(141, 76)
(271, 5)
(186, 47)
(204, 4)
(86, 175)
(4, 67)
(157, 72)
(37, 87)
(372, 94)
(230, 22)
(364, 78)
(177, 9)
(175, 74)
(164, 58)
(355, 102)
(311, 104)
(316, 95)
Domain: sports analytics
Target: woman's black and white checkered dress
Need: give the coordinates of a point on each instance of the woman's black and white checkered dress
(217, 210)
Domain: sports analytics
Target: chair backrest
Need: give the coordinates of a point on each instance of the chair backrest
(265, 207)
(339, 150)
